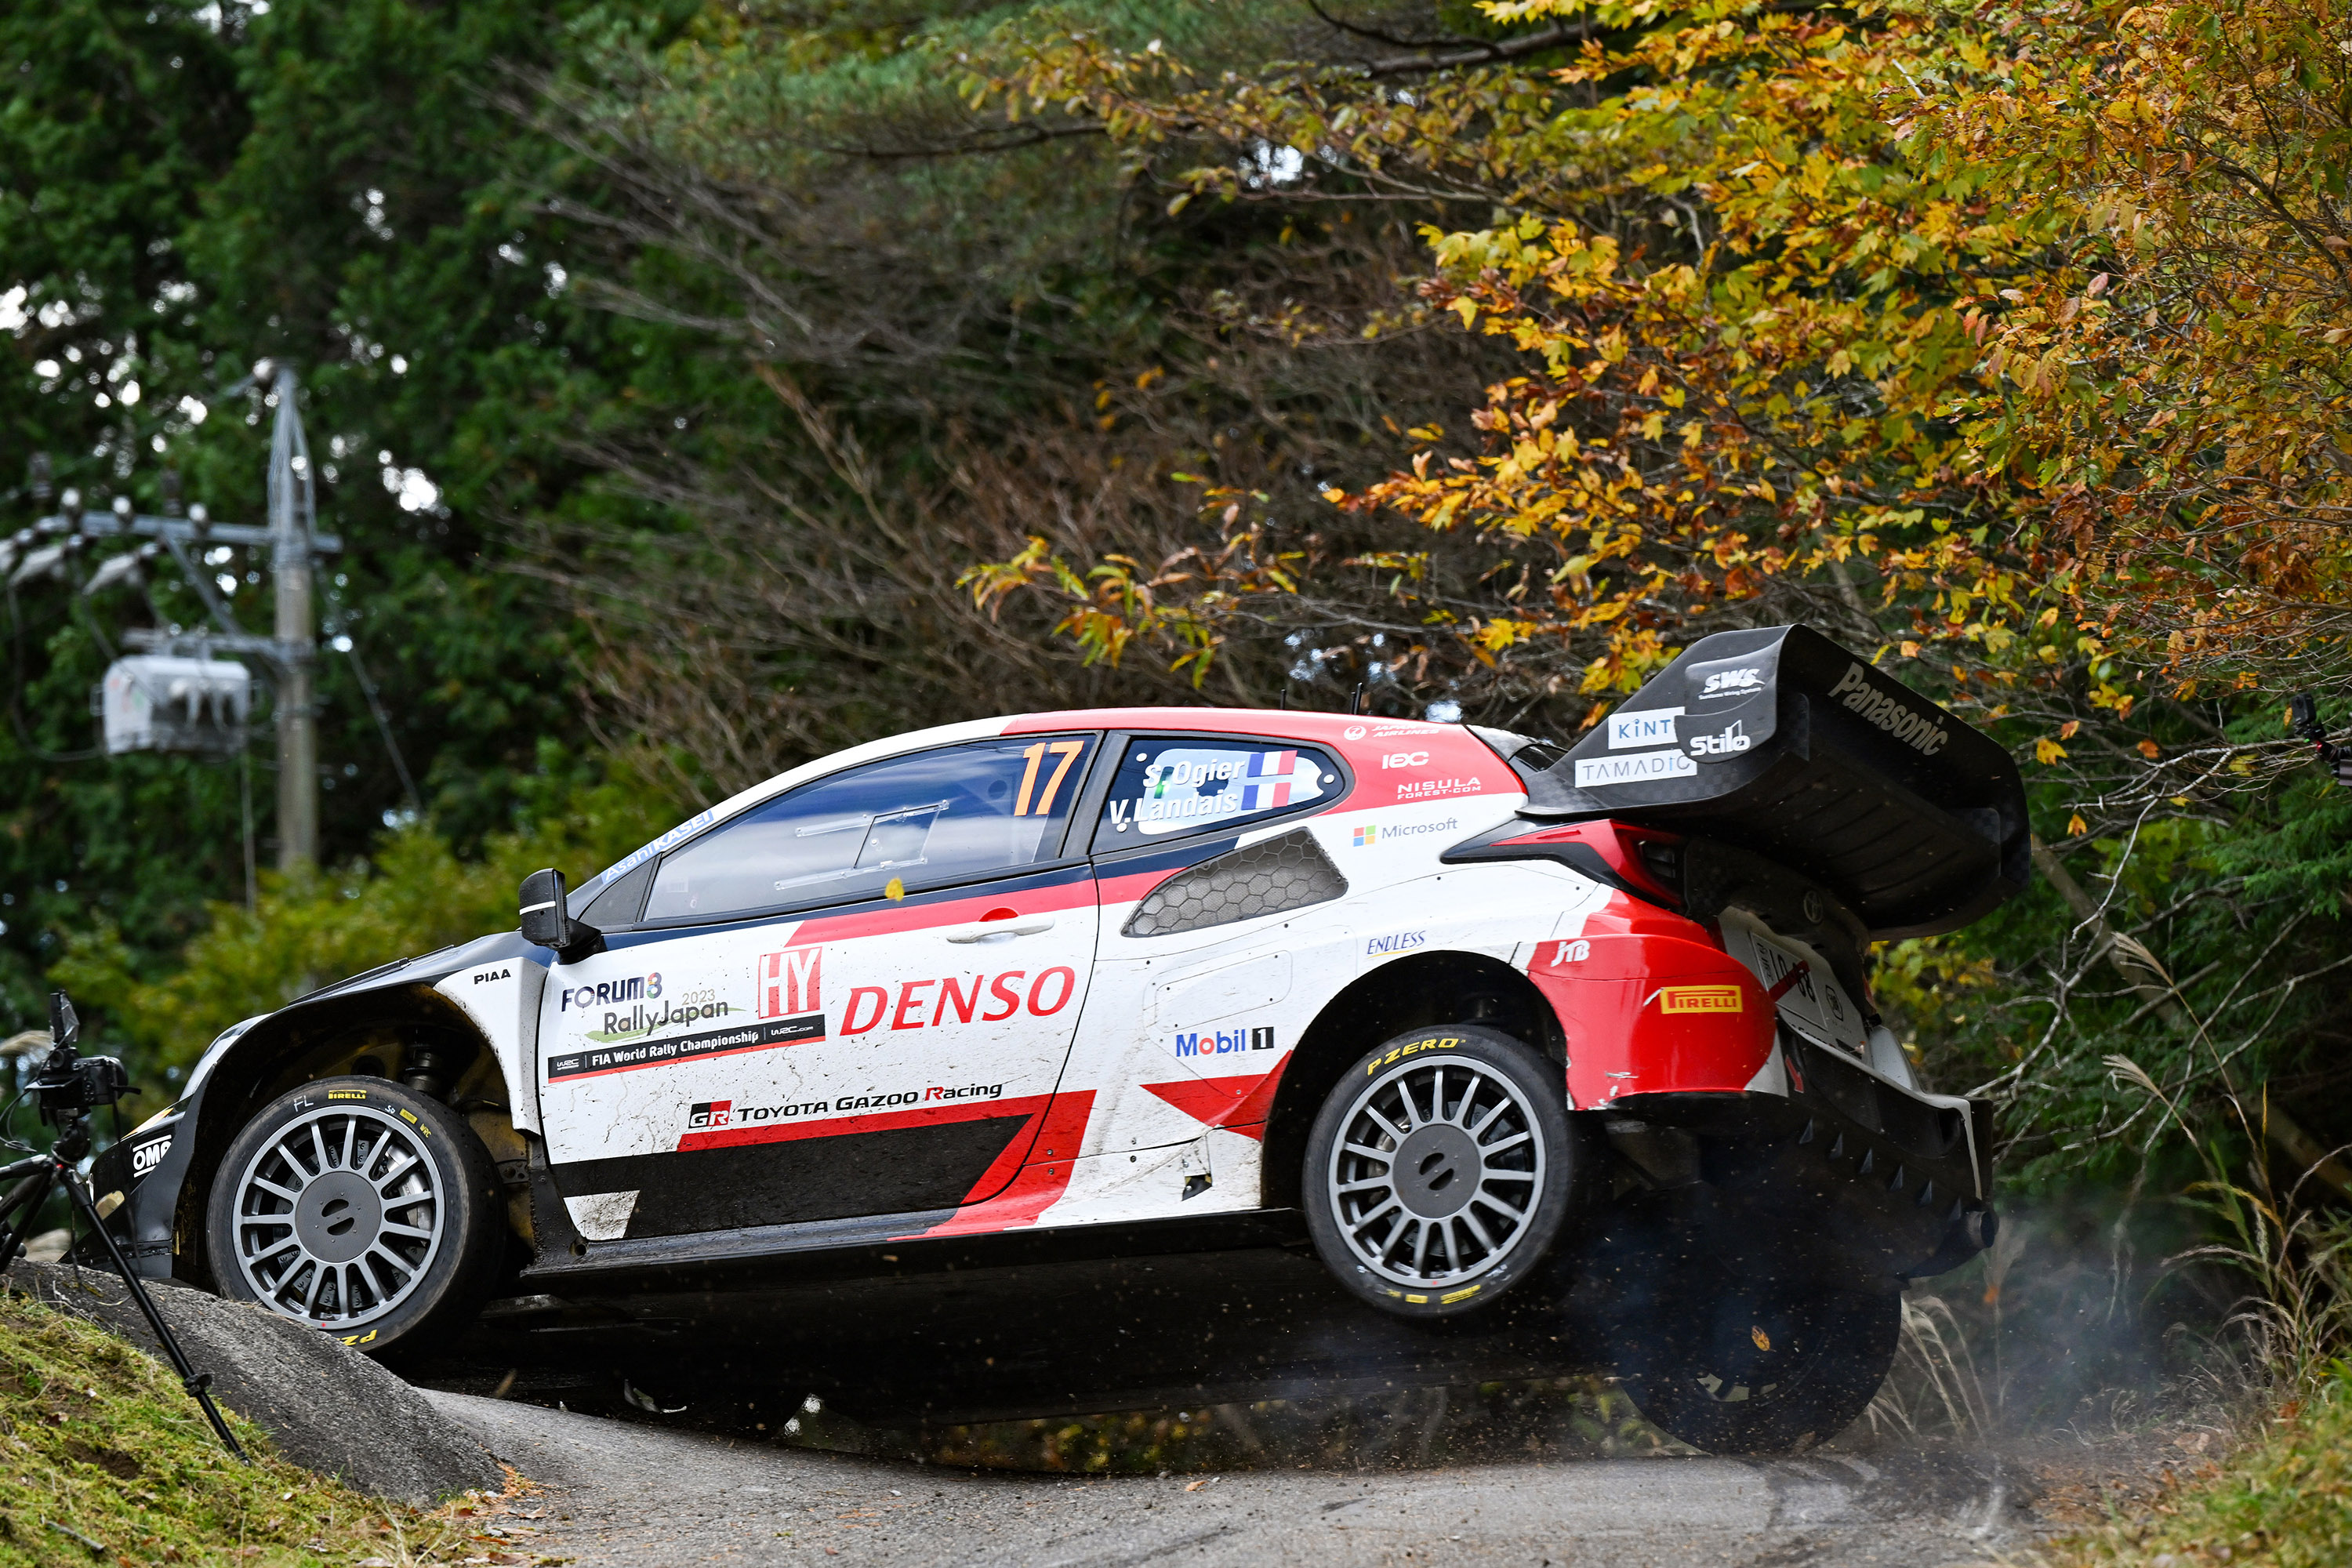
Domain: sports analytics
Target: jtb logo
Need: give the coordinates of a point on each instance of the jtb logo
(709, 1113)
(1222, 1042)
(788, 982)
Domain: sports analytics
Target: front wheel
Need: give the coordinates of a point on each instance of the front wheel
(1439, 1170)
(1754, 1366)
(360, 1207)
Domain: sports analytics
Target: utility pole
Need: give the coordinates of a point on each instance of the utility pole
(293, 518)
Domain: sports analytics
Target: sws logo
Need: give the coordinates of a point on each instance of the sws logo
(1924, 736)
(1222, 1042)
(146, 1156)
(611, 993)
(1724, 682)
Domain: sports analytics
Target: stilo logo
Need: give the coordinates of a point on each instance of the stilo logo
(709, 1113)
(1725, 681)
(1727, 743)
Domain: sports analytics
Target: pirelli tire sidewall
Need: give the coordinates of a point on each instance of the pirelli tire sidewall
(465, 1264)
(1542, 1088)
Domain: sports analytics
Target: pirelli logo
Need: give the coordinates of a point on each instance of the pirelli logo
(1700, 999)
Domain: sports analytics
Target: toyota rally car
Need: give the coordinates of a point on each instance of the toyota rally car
(1457, 1005)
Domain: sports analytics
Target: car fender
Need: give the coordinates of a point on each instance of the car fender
(159, 1216)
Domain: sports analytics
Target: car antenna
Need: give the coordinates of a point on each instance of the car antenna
(1356, 699)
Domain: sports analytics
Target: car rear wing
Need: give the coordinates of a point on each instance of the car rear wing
(1781, 741)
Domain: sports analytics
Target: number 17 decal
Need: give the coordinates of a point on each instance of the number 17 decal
(1067, 751)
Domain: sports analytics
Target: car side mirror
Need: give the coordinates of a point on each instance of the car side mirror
(547, 917)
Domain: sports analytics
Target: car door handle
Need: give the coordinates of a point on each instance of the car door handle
(981, 929)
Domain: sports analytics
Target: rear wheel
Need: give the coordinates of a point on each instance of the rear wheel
(1762, 1366)
(1439, 1170)
(360, 1207)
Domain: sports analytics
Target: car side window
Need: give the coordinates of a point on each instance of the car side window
(899, 825)
(1186, 783)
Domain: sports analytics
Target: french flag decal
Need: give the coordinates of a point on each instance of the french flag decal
(1266, 784)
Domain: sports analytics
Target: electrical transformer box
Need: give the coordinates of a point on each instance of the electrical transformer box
(154, 702)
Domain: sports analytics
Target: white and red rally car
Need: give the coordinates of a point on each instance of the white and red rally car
(1458, 1001)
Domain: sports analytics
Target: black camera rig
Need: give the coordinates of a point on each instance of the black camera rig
(68, 1086)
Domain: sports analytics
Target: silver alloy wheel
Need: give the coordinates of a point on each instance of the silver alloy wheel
(337, 1216)
(1436, 1172)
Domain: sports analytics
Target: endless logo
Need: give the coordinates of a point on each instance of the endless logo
(1222, 1042)
(1924, 736)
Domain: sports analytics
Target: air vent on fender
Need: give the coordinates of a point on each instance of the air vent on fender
(1286, 872)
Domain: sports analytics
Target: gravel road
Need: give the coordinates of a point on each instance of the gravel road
(627, 1494)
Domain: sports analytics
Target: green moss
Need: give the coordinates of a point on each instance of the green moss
(2283, 1500)
(97, 1438)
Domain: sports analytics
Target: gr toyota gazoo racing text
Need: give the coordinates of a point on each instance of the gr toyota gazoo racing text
(1460, 1022)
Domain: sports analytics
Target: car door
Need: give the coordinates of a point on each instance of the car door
(853, 999)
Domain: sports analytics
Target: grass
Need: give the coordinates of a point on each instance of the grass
(2281, 1501)
(103, 1457)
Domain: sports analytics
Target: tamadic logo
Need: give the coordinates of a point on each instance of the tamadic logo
(1222, 1042)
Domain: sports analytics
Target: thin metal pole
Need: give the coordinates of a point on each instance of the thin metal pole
(244, 801)
(293, 520)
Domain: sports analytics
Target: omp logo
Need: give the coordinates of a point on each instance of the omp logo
(1726, 742)
(611, 993)
(1222, 1042)
(711, 1114)
(1915, 730)
(1700, 999)
(146, 1156)
(1725, 682)
(1405, 760)
(494, 974)
(788, 982)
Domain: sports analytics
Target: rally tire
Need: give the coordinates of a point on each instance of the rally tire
(1761, 1367)
(361, 1208)
(1439, 1170)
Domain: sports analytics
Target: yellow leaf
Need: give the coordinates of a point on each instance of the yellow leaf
(2150, 750)
(2047, 750)
(895, 889)
(2067, 730)
(2076, 827)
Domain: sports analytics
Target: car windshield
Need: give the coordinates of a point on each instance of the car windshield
(918, 821)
